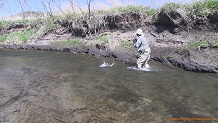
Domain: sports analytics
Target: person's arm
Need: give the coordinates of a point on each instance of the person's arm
(138, 43)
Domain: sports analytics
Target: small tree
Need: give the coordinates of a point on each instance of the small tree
(59, 6)
(89, 7)
(73, 5)
(47, 6)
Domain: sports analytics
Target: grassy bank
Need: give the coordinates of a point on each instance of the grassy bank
(199, 8)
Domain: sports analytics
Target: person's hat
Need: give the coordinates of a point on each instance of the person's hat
(139, 31)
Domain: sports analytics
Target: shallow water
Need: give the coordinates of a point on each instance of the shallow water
(54, 87)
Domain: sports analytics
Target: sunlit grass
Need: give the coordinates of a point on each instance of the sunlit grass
(68, 43)
(102, 38)
(200, 43)
(3, 38)
(21, 36)
(73, 42)
(131, 8)
(126, 44)
(202, 8)
(169, 7)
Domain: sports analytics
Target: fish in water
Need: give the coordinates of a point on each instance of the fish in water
(105, 64)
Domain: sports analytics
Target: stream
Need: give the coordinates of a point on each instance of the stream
(55, 87)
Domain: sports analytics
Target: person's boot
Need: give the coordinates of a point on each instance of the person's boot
(147, 66)
(139, 66)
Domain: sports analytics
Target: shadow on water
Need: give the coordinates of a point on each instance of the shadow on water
(38, 86)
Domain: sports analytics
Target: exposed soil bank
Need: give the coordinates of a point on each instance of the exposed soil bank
(174, 39)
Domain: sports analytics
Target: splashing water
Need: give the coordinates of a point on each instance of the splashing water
(146, 68)
(142, 69)
(105, 64)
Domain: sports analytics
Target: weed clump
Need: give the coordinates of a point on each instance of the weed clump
(131, 8)
(169, 7)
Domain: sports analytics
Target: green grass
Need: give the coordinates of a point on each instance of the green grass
(206, 4)
(127, 9)
(15, 22)
(50, 26)
(215, 43)
(168, 56)
(203, 13)
(3, 23)
(73, 42)
(21, 36)
(6, 23)
(126, 44)
(75, 16)
(21, 21)
(200, 43)
(43, 20)
(169, 7)
(3, 38)
(102, 38)
(24, 35)
(131, 8)
(150, 11)
(202, 8)
(118, 34)
(46, 27)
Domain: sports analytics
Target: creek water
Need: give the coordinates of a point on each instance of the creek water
(54, 87)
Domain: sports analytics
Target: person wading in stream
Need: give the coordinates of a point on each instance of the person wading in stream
(143, 48)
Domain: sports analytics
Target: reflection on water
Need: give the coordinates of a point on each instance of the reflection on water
(50, 87)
